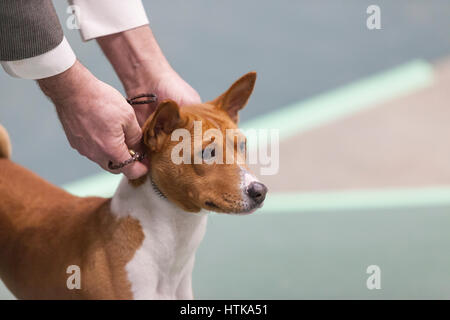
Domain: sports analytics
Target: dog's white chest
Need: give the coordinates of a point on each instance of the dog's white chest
(162, 267)
(149, 280)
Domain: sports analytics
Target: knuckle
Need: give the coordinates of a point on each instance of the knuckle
(82, 151)
(108, 150)
(135, 139)
(73, 145)
(129, 116)
(116, 155)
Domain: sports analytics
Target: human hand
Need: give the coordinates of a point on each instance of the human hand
(96, 118)
(166, 85)
(142, 68)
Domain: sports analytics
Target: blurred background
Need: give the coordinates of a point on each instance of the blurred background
(364, 118)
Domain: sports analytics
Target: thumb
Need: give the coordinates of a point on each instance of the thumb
(133, 134)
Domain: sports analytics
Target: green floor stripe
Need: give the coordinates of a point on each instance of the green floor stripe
(102, 185)
(388, 198)
(312, 113)
(346, 100)
(295, 202)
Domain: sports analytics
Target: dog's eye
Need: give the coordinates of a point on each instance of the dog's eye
(242, 146)
(208, 153)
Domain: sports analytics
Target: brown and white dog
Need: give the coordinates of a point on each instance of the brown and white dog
(140, 244)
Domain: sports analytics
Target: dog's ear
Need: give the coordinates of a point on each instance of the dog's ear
(160, 124)
(236, 97)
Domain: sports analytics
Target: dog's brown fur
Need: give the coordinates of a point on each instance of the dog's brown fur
(200, 182)
(44, 230)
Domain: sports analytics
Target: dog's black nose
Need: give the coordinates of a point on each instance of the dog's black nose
(257, 191)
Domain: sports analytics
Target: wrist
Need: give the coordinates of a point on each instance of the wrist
(136, 57)
(66, 84)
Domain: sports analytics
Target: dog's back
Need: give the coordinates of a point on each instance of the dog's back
(25, 198)
(44, 229)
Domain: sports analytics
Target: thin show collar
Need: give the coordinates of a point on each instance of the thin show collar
(156, 189)
(132, 101)
(134, 155)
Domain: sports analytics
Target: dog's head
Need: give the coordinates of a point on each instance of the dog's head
(202, 138)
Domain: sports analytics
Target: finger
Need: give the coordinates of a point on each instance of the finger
(133, 134)
(133, 170)
(142, 113)
(192, 98)
(133, 138)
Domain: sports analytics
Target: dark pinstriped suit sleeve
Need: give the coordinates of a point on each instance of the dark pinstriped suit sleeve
(28, 28)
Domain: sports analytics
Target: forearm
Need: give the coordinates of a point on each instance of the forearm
(135, 56)
(142, 68)
(67, 84)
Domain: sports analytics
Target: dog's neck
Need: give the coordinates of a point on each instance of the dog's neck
(162, 266)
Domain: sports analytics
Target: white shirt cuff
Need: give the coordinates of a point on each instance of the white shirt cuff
(97, 18)
(45, 65)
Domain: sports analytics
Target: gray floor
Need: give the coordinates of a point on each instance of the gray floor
(299, 48)
(324, 255)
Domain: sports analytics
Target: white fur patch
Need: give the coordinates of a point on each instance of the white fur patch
(162, 267)
(246, 179)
